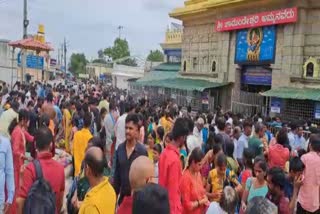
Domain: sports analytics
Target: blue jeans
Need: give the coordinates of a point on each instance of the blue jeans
(1, 208)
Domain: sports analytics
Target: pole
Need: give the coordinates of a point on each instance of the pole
(23, 63)
(65, 54)
(25, 35)
(25, 19)
(12, 59)
(58, 56)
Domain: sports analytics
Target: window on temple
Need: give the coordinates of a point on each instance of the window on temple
(213, 68)
(310, 70)
(184, 66)
(195, 63)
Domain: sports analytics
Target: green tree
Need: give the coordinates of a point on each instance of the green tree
(101, 54)
(155, 56)
(101, 61)
(78, 63)
(128, 62)
(120, 49)
(101, 58)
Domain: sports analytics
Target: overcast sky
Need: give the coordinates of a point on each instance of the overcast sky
(90, 25)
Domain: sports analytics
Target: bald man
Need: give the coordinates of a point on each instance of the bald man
(102, 197)
(141, 172)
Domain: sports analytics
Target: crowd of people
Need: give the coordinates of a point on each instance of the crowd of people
(128, 156)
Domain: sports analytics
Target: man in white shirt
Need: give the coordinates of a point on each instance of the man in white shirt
(296, 139)
(197, 130)
(243, 140)
(292, 133)
(109, 125)
(236, 136)
(194, 139)
(300, 140)
(120, 129)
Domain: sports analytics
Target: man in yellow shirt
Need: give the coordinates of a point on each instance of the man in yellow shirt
(80, 143)
(102, 197)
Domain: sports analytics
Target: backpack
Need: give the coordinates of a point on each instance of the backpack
(70, 194)
(41, 199)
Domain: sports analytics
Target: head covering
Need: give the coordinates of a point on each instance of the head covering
(200, 121)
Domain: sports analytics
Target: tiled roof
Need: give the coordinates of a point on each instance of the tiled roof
(31, 44)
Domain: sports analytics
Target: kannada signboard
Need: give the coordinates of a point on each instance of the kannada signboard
(288, 15)
(257, 77)
(32, 61)
(317, 111)
(275, 105)
(173, 52)
(256, 45)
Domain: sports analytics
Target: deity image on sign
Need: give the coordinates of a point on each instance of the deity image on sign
(254, 39)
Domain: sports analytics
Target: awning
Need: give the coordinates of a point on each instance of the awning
(158, 75)
(162, 71)
(168, 67)
(182, 84)
(294, 93)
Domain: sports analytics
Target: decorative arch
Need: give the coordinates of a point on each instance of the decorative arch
(311, 68)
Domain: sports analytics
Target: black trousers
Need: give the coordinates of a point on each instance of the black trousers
(300, 210)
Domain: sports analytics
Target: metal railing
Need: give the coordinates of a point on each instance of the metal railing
(248, 103)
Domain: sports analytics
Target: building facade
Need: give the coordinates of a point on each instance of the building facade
(172, 44)
(122, 74)
(33, 54)
(99, 71)
(8, 68)
(266, 52)
(166, 81)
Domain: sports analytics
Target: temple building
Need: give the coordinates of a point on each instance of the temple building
(261, 56)
(172, 45)
(168, 81)
(33, 59)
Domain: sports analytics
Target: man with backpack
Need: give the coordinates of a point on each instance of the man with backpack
(43, 181)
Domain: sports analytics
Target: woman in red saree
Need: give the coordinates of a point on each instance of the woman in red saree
(193, 193)
(18, 140)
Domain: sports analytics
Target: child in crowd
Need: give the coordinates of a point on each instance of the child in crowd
(160, 135)
(219, 177)
(246, 173)
(157, 149)
(150, 144)
(208, 161)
